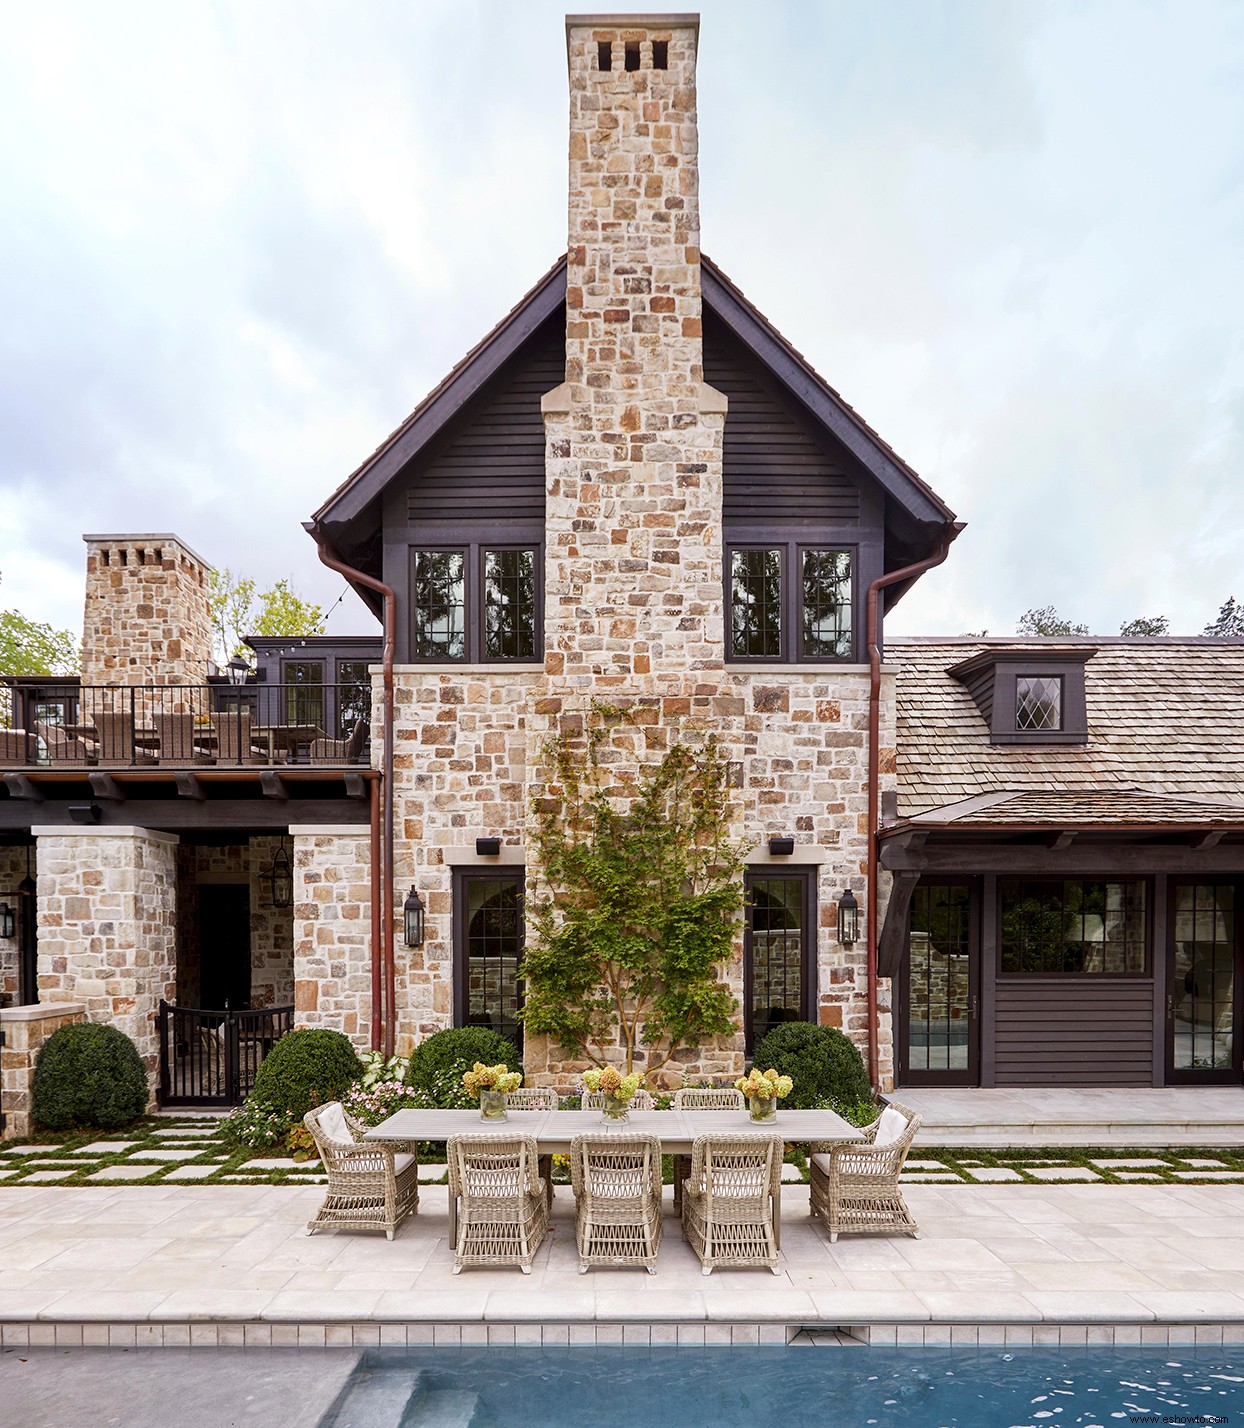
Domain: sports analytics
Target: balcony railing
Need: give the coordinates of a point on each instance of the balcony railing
(187, 726)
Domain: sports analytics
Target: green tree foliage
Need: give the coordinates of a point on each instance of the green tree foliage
(306, 1068)
(821, 1060)
(1229, 623)
(88, 1075)
(237, 611)
(641, 899)
(31, 647)
(1149, 626)
(436, 1064)
(1047, 621)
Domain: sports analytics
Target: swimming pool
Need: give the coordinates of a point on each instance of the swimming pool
(787, 1388)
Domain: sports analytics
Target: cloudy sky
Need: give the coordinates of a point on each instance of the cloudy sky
(240, 240)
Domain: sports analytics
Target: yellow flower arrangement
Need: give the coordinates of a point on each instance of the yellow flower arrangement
(764, 1085)
(491, 1078)
(612, 1083)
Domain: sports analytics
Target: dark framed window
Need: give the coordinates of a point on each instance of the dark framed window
(1039, 702)
(790, 602)
(1072, 927)
(488, 950)
(779, 949)
(303, 681)
(937, 1009)
(353, 695)
(475, 603)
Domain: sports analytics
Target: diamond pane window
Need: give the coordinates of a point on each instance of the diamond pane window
(756, 604)
(1038, 702)
(439, 604)
(826, 604)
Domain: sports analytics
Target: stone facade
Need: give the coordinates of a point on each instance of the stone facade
(332, 931)
(146, 620)
(633, 597)
(271, 928)
(25, 1030)
(107, 927)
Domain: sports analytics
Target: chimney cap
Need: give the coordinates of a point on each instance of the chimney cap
(644, 21)
(148, 538)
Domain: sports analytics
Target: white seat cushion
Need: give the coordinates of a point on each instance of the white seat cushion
(893, 1124)
(333, 1125)
(402, 1161)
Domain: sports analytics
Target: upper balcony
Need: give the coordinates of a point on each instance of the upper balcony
(62, 724)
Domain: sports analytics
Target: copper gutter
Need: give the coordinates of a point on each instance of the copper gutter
(377, 970)
(893, 577)
(383, 913)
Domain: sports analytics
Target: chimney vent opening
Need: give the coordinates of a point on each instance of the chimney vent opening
(632, 55)
(604, 55)
(660, 54)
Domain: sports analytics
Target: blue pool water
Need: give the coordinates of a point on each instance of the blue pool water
(788, 1388)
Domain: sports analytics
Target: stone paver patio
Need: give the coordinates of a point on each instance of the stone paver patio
(236, 1256)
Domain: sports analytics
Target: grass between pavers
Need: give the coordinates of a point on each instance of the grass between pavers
(234, 1166)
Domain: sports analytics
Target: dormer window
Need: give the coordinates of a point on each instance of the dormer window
(1028, 694)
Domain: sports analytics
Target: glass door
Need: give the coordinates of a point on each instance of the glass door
(938, 988)
(488, 938)
(1203, 984)
(778, 942)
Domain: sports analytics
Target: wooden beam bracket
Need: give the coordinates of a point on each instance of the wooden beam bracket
(20, 786)
(272, 784)
(103, 785)
(188, 785)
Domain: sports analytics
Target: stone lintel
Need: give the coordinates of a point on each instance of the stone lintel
(804, 854)
(466, 857)
(476, 671)
(104, 830)
(329, 830)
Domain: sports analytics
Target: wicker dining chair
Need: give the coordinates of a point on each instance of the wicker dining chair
(640, 1101)
(63, 748)
(728, 1200)
(854, 1187)
(617, 1191)
(536, 1098)
(370, 1186)
(701, 1098)
(502, 1205)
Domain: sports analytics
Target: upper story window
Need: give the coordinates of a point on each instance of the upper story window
(1029, 695)
(474, 603)
(790, 602)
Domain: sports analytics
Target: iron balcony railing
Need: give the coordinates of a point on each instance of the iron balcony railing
(187, 725)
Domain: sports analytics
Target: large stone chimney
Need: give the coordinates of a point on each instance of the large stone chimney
(633, 568)
(146, 619)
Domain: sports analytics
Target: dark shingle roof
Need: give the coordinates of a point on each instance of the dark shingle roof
(1166, 737)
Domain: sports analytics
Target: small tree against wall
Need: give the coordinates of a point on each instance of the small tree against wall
(640, 891)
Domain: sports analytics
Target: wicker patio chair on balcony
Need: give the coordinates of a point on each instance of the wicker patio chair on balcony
(617, 1191)
(701, 1098)
(854, 1187)
(640, 1101)
(233, 739)
(502, 1205)
(18, 749)
(63, 748)
(340, 751)
(176, 733)
(727, 1202)
(116, 740)
(370, 1186)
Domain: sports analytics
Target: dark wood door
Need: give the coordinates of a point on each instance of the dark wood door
(939, 997)
(488, 943)
(779, 941)
(1203, 981)
(224, 945)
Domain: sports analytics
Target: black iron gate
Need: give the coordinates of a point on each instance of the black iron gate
(209, 1058)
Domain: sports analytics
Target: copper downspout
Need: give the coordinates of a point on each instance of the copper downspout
(385, 912)
(893, 577)
(377, 971)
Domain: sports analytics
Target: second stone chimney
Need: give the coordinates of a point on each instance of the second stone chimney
(633, 461)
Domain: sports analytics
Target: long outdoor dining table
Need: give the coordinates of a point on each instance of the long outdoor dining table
(554, 1130)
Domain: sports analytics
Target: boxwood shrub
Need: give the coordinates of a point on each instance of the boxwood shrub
(308, 1066)
(88, 1075)
(437, 1064)
(821, 1060)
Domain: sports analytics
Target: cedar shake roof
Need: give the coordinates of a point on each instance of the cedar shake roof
(1165, 739)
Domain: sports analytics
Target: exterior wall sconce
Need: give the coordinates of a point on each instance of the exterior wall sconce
(781, 847)
(412, 917)
(488, 847)
(85, 812)
(237, 669)
(8, 921)
(281, 878)
(848, 918)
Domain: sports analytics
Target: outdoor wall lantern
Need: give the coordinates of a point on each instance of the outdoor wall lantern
(848, 918)
(281, 878)
(412, 914)
(781, 847)
(85, 812)
(237, 669)
(488, 847)
(8, 921)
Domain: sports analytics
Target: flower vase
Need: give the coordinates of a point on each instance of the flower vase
(762, 1108)
(492, 1106)
(615, 1112)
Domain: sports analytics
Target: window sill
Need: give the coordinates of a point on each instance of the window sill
(457, 666)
